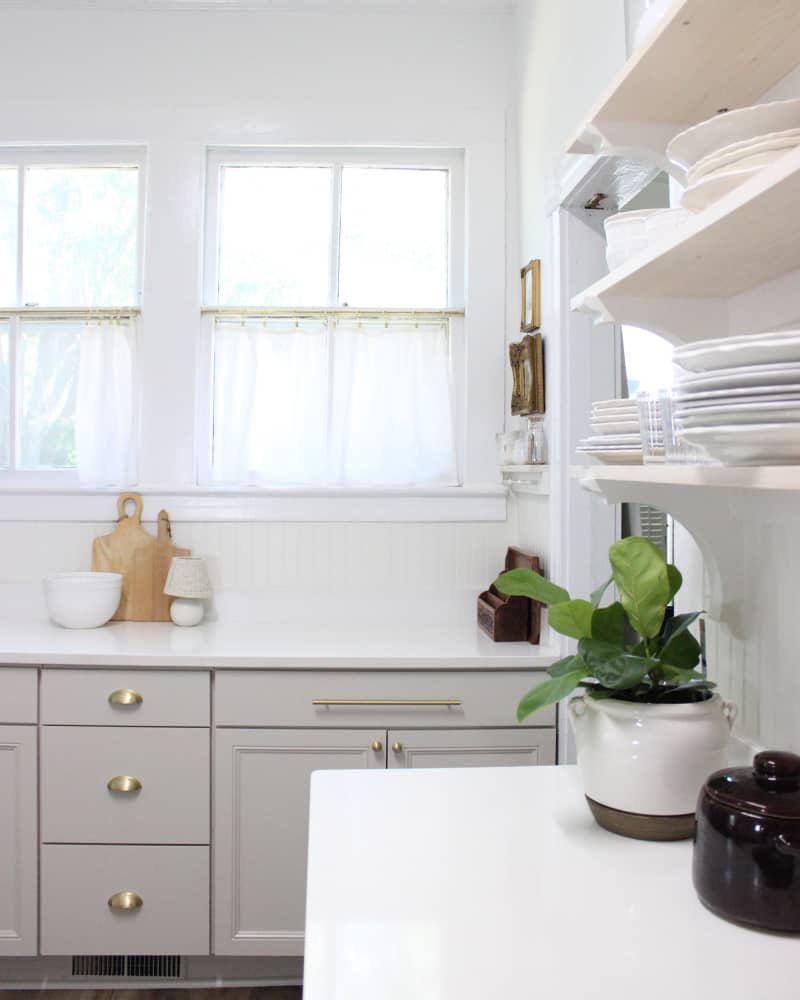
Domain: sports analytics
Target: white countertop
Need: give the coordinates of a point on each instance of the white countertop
(217, 644)
(471, 884)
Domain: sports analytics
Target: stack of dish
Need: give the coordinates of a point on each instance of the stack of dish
(720, 154)
(615, 438)
(738, 398)
(628, 233)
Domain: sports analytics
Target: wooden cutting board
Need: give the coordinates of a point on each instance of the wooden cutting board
(142, 558)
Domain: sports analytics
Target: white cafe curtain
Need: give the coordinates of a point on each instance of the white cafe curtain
(334, 401)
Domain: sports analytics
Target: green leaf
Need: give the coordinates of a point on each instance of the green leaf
(682, 650)
(548, 693)
(613, 668)
(640, 574)
(596, 596)
(675, 581)
(526, 583)
(572, 618)
(671, 673)
(566, 666)
(608, 624)
(674, 626)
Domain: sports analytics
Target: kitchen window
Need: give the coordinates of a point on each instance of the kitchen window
(70, 249)
(332, 287)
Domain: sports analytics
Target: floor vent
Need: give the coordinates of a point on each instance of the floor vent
(127, 966)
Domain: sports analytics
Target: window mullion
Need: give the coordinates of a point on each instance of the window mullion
(336, 229)
(20, 238)
(13, 382)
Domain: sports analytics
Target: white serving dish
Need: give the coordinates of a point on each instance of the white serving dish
(748, 444)
(741, 124)
(665, 223)
(780, 347)
(758, 152)
(82, 600)
(746, 378)
(714, 186)
(737, 413)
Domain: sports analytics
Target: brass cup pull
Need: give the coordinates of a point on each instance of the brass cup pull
(125, 901)
(397, 747)
(377, 746)
(124, 783)
(124, 696)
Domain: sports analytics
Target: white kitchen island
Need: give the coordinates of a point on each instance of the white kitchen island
(496, 884)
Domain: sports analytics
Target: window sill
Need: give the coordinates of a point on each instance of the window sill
(50, 502)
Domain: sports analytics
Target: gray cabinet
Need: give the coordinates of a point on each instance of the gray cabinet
(18, 866)
(470, 748)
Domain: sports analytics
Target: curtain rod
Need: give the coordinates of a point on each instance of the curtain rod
(278, 312)
(70, 312)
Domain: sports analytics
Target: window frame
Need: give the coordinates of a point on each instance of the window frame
(336, 157)
(20, 157)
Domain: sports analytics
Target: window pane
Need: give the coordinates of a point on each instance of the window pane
(80, 229)
(48, 371)
(5, 440)
(8, 236)
(648, 360)
(274, 236)
(393, 237)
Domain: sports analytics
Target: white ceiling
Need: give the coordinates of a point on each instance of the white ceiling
(299, 6)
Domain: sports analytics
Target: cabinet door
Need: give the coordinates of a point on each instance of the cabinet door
(261, 829)
(470, 747)
(18, 840)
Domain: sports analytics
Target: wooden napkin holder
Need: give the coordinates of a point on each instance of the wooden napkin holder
(511, 619)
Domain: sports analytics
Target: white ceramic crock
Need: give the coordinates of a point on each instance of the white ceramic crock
(649, 759)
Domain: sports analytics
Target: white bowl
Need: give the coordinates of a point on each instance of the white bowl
(82, 600)
(732, 126)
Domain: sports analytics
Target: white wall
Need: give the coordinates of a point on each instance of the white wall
(178, 81)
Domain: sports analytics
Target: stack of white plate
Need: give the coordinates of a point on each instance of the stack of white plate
(720, 154)
(738, 398)
(628, 233)
(615, 438)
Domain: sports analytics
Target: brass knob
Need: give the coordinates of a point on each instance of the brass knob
(124, 783)
(397, 747)
(125, 697)
(377, 746)
(125, 901)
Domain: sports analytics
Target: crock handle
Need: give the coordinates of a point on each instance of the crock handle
(786, 845)
(576, 706)
(730, 710)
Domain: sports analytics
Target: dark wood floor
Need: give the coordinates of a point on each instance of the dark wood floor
(243, 993)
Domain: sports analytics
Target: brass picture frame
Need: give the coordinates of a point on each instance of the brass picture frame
(530, 279)
(527, 375)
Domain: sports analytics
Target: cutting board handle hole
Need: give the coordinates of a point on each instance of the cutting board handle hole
(124, 500)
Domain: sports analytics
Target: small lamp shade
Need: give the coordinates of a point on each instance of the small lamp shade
(188, 577)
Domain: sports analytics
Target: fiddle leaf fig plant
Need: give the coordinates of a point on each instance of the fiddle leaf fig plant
(630, 649)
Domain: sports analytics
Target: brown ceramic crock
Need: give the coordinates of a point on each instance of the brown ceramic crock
(746, 863)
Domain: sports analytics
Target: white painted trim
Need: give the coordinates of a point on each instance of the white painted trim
(190, 504)
(456, 7)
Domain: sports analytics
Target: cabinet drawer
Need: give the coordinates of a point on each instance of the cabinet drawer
(143, 697)
(18, 694)
(172, 766)
(78, 882)
(314, 697)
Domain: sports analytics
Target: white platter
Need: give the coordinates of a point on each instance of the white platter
(749, 444)
(755, 413)
(758, 153)
(745, 378)
(614, 404)
(614, 427)
(709, 189)
(739, 125)
(750, 349)
(747, 394)
(611, 456)
(607, 440)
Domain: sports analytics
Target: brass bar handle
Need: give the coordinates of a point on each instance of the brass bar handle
(415, 702)
(125, 901)
(377, 746)
(397, 747)
(125, 696)
(124, 783)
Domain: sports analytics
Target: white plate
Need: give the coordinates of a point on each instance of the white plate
(731, 152)
(605, 404)
(755, 413)
(606, 440)
(610, 456)
(755, 154)
(694, 404)
(750, 349)
(709, 189)
(747, 394)
(739, 125)
(741, 379)
(614, 427)
(749, 444)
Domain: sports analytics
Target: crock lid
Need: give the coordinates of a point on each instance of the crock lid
(770, 788)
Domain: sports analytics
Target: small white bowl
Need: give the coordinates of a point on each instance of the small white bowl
(82, 600)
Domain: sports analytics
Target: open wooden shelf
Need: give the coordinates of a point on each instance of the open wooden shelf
(783, 478)
(689, 68)
(682, 286)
